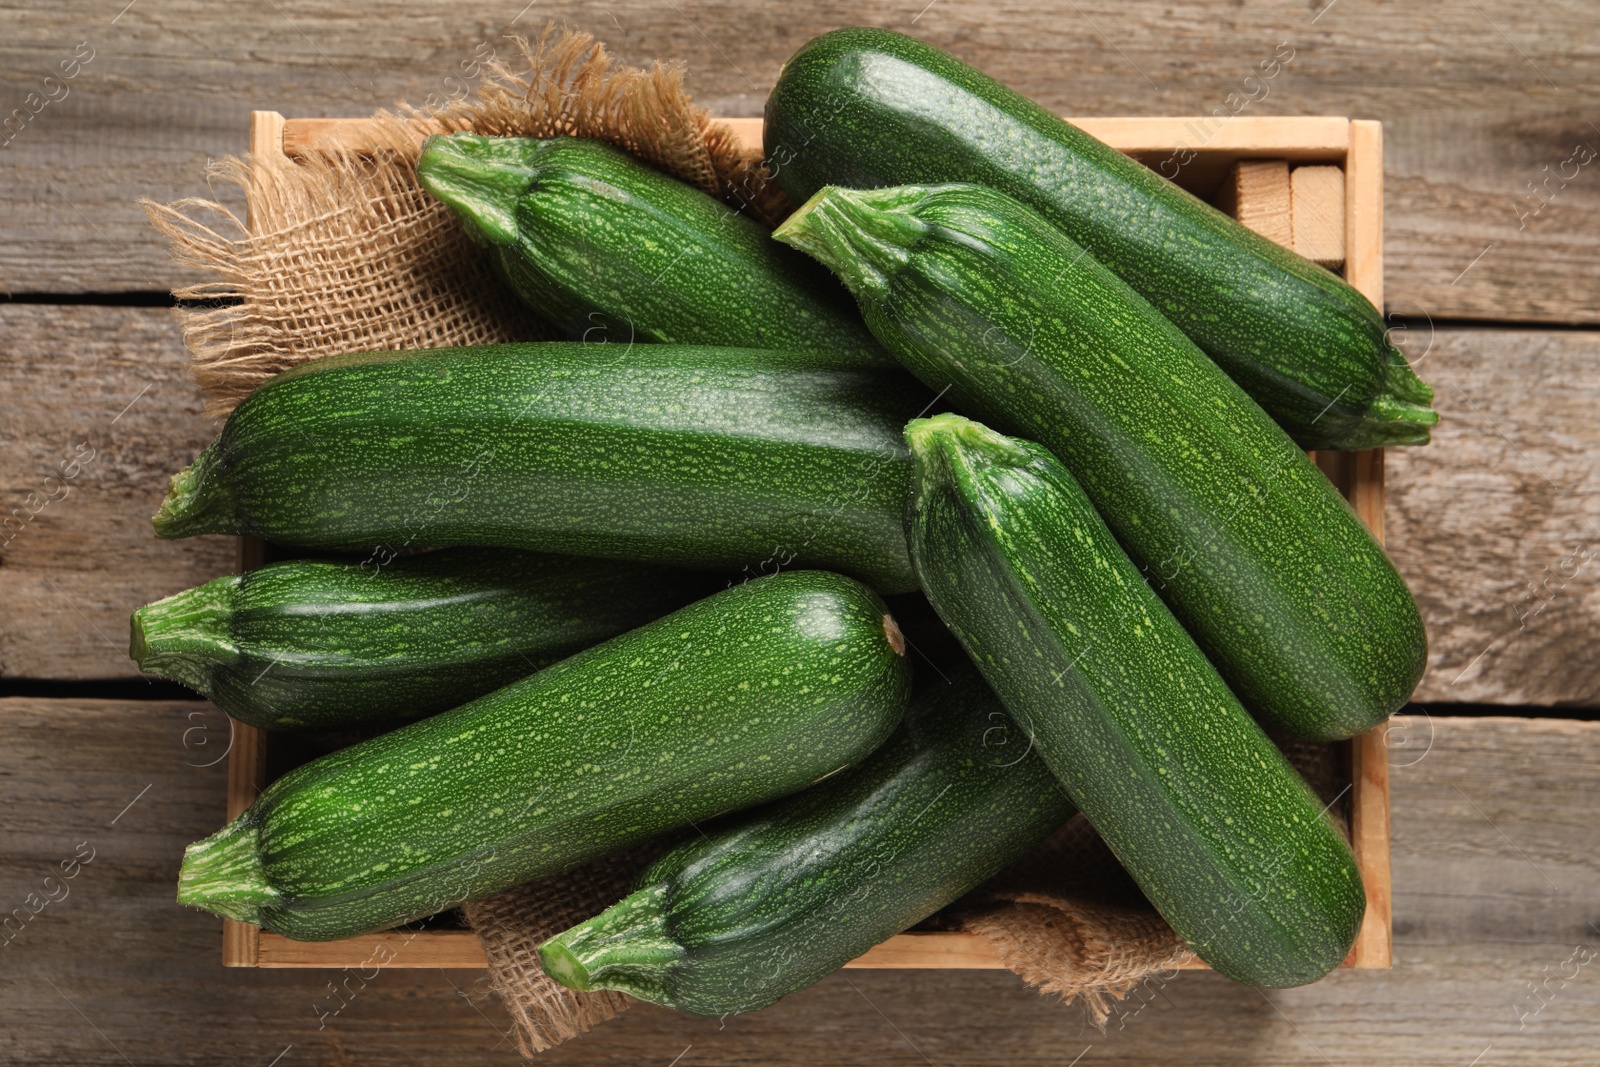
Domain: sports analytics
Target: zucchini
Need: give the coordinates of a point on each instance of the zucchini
(314, 645)
(869, 107)
(605, 247)
(1204, 812)
(1251, 547)
(704, 457)
(748, 695)
(779, 898)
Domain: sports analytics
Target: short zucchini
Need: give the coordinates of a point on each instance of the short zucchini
(865, 107)
(743, 697)
(308, 645)
(1219, 831)
(605, 247)
(704, 457)
(1249, 544)
(775, 899)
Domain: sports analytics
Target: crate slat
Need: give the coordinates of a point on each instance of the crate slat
(1316, 194)
(1256, 192)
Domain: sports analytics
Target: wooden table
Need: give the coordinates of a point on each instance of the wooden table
(1492, 227)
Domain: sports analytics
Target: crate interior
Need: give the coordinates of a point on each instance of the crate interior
(1200, 154)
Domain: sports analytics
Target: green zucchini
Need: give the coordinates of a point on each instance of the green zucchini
(779, 898)
(1251, 547)
(743, 697)
(869, 107)
(314, 645)
(1204, 812)
(605, 247)
(703, 457)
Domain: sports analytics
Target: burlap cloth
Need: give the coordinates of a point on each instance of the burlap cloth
(345, 252)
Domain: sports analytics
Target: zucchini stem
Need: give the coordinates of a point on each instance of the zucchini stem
(1402, 383)
(480, 179)
(198, 501)
(1400, 414)
(946, 448)
(626, 947)
(854, 236)
(224, 874)
(187, 635)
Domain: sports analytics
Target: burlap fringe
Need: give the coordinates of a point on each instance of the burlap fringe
(1093, 954)
(511, 926)
(1070, 921)
(345, 252)
(571, 89)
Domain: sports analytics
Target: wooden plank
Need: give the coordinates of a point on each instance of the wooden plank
(1147, 139)
(1496, 525)
(460, 949)
(1479, 100)
(1256, 192)
(97, 411)
(1491, 809)
(1317, 195)
(1370, 824)
(1301, 138)
(247, 768)
(1482, 522)
(1363, 214)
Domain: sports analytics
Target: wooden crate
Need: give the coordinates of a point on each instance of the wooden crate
(1264, 194)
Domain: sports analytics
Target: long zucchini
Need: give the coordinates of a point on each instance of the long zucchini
(1204, 812)
(869, 107)
(778, 898)
(605, 247)
(314, 645)
(740, 698)
(704, 457)
(1249, 544)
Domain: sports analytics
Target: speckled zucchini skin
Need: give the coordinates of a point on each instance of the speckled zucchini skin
(704, 457)
(864, 108)
(605, 247)
(778, 898)
(740, 698)
(308, 645)
(1249, 544)
(1202, 809)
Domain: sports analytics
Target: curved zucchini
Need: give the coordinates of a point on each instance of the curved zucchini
(782, 897)
(308, 645)
(605, 247)
(740, 698)
(866, 107)
(703, 457)
(1204, 812)
(1248, 543)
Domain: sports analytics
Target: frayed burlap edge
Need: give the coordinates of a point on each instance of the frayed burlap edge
(571, 88)
(1094, 954)
(511, 926)
(345, 252)
(1070, 921)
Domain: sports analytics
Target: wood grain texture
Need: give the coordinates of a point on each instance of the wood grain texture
(1256, 192)
(1316, 197)
(460, 948)
(1503, 498)
(104, 392)
(1363, 212)
(1478, 99)
(1496, 525)
(1485, 811)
